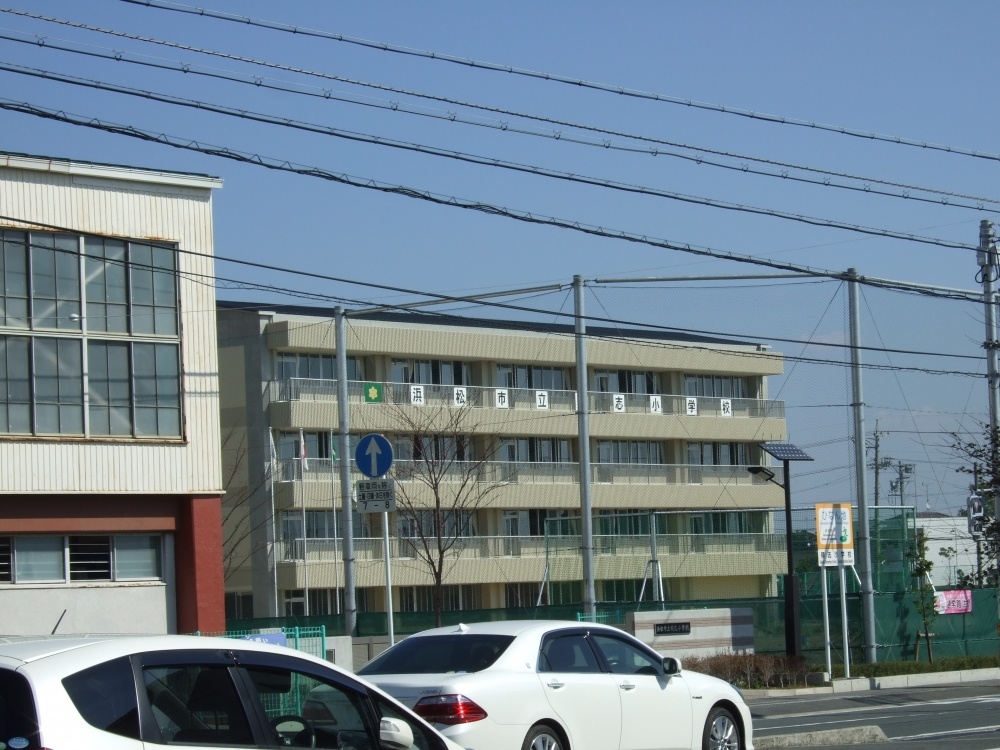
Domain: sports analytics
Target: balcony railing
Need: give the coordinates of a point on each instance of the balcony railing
(532, 399)
(372, 548)
(509, 472)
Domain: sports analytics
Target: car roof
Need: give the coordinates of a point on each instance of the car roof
(515, 628)
(27, 649)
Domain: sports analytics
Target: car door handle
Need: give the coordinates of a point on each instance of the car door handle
(556, 684)
(626, 686)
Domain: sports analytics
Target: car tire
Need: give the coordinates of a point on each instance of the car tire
(542, 737)
(721, 731)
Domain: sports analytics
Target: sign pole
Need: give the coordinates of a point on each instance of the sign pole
(388, 578)
(843, 619)
(826, 623)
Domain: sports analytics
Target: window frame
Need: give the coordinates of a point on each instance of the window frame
(65, 288)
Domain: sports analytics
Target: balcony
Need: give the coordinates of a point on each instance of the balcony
(526, 558)
(508, 472)
(525, 399)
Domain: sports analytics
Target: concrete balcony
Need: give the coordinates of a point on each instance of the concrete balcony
(521, 559)
(524, 399)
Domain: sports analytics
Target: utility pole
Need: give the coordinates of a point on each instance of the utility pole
(878, 463)
(863, 533)
(902, 470)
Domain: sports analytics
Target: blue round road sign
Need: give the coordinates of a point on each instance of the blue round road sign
(373, 456)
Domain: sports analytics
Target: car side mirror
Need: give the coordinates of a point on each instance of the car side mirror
(395, 734)
(671, 665)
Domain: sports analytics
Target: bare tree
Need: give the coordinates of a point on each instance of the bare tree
(239, 523)
(440, 488)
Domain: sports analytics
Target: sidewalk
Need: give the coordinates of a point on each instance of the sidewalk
(861, 684)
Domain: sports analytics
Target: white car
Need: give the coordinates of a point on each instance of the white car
(553, 685)
(147, 692)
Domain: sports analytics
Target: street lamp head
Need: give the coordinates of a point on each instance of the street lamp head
(763, 471)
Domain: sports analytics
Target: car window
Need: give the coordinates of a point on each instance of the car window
(18, 719)
(439, 654)
(567, 653)
(196, 703)
(105, 696)
(306, 711)
(626, 658)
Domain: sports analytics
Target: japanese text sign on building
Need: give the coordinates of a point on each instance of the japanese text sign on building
(834, 534)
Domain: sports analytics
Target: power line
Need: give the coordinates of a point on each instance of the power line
(444, 200)
(518, 308)
(483, 161)
(944, 196)
(556, 78)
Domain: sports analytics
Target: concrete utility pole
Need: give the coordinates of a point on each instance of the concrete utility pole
(583, 414)
(346, 495)
(863, 545)
(900, 482)
(987, 258)
(878, 462)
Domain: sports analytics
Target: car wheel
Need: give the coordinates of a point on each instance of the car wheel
(542, 737)
(721, 731)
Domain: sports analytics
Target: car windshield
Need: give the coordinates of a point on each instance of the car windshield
(438, 654)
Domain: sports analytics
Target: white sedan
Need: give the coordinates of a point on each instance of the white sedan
(147, 692)
(554, 685)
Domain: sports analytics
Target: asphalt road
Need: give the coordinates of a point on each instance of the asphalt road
(963, 717)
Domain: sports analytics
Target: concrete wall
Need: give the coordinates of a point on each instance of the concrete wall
(95, 608)
(694, 632)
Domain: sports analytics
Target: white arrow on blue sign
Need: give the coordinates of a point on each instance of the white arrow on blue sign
(373, 456)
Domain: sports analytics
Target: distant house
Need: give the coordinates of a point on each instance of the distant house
(950, 547)
(110, 475)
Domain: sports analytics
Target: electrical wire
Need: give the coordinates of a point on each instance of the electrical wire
(484, 161)
(618, 324)
(576, 83)
(438, 199)
(944, 196)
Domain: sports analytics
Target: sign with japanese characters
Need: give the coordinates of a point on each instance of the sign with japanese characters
(834, 534)
(618, 403)
(501, 398)
(656, 404)
(417, 395)
(542, 400)
(726, 407)
(459, 397)
(691, 407)
(376, 495)
(957, 602)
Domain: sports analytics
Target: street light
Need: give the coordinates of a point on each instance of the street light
(786, 452)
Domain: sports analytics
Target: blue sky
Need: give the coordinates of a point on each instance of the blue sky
(910, 70)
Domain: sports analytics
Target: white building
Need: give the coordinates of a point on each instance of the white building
(110, 475)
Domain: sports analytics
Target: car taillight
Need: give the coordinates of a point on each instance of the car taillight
(449, 709)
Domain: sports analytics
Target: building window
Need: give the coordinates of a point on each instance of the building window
(625, 381)
(717, 386)
(532, 376)
(430, 372)
(129, 290)
(313, 366)
(519, 595)
(534, 450)
(718, 454)
(91, 557)
(453, 598)
(628, 452)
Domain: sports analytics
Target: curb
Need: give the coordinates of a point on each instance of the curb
(862, 684)
(830, 737)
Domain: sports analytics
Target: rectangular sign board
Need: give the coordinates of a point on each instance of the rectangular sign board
(834, 534)
(671, 628)
(376, 495)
